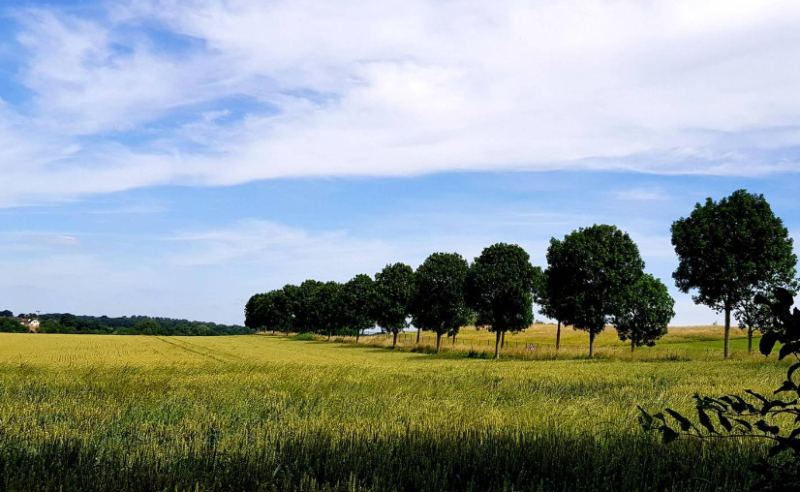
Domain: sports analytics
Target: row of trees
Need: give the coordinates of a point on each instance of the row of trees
(594, 278)
(729, 252)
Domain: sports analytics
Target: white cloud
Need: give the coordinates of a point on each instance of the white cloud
(264, 242)
(386, 88)
(641, 195)
(26, 241)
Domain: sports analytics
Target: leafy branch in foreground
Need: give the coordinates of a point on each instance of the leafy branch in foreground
(775, 419)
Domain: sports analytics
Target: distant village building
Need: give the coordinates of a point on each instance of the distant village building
(31, 323)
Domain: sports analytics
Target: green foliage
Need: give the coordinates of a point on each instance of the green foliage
(728, 250)
(394, 291)
(10, 325)
(753, 315)
(126, 325)
(359, 296)
(499, 289)
(646, 314)
(306, 307)
(6, 314)
(331, 308)
(592, 273)
(148, 326)
(541, 294)
(254, 311)
(757, 416)
(440, 302)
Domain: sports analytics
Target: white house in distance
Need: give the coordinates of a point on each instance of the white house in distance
(31, 323)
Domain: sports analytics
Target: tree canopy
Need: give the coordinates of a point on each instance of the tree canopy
(10, 325)
(394, 291)
(270, 311)
(647, 313)
(440, 303)
(330, 308)
(593, 270)
(358, 294)
(306, 306)
(730, 249)
(500, 289)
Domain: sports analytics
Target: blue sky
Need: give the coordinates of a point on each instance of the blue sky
(172, 158)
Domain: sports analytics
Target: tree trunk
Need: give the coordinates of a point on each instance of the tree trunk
(330, 332)
(273, 331)
(358, 333)
(454, 339)
(438, 341)
(727, 351)
(394, 340)
(591, 344)
(558, 336)
(497, 345)
(750, 340)
(419, 330)
(503, 340)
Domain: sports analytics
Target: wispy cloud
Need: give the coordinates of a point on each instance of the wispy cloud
(641, 195)
(28, 241)
(372, 88)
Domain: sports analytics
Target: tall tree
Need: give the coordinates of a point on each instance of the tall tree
(499, 290)
(548, 303)
(331, 308)
(727, 249)
(253, 311)
(359, 293)
(290, 298)
(394, 291)
(646, 314)
(271, 310)
(592, 271)
(440, 303)
(306, 307)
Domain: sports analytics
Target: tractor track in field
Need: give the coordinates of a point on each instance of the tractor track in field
(194, 349)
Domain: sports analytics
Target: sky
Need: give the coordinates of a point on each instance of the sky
(173, 157)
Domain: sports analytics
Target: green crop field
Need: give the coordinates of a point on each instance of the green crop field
(249, 413)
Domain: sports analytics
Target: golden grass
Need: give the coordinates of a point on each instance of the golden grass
(93, 412)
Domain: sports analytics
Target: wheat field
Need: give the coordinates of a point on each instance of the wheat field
(261, 412)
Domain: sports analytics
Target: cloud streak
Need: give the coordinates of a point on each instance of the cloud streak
(220, 92)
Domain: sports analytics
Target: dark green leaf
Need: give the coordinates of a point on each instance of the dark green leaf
(767, 343)
(787, 349)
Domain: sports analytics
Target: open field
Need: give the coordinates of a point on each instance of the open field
(86, 412)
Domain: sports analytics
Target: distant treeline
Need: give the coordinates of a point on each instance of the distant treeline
(125, 325)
